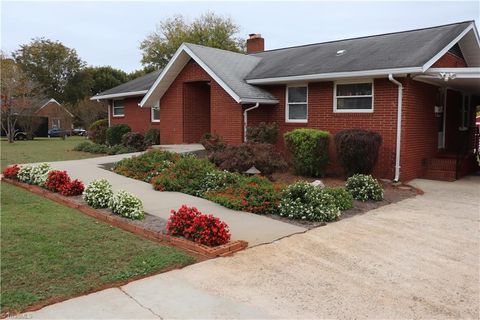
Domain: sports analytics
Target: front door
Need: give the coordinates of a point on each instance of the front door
(440, 113)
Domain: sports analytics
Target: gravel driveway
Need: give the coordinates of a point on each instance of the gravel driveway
(418, 258)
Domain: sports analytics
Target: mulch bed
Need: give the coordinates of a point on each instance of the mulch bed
(392, 193)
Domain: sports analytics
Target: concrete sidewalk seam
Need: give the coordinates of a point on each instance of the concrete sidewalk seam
(141, 305)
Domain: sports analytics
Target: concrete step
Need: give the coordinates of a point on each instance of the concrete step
(442, 175)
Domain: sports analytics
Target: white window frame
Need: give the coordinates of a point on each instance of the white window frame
(113, 109)
(56, 123)
(155, 106)
(335, 97)
(287, 107)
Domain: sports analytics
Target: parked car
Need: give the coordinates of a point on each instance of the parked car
(79, 132)
(58, 132)
(20, 135)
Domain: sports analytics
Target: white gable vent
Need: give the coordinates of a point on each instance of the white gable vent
(341, 52)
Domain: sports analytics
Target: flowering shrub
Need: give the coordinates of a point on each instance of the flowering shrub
(72, 188)
(180, 221)
(25, 174)
(11, 171)
(39, 174)
(364, 187)
(56, 180)
(98, 193)
(216, 180)
(147, 165)
(126, 205)
(303, 201)
(343, 198)
(196, 226)
(209, 230)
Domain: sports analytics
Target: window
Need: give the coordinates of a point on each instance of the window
(56, 123)
(118, 108)
(156, 112)
(297, 104)
(353, 97)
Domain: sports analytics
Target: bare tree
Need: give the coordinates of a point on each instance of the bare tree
(88, 111)
(19, 95)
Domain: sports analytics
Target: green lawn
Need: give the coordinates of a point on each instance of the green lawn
(41, 149)
(51, 252)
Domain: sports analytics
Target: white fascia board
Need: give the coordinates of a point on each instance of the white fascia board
(51, 100)
(119, 95)
(459, 72)
(435, 58)
(161, 76)
(261, 101)
(336, 75)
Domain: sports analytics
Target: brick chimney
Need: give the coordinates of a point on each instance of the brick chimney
(255, 43)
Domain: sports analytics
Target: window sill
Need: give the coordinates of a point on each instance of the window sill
(122, 116)
(352, 111)
(296, 121)
(155, 121)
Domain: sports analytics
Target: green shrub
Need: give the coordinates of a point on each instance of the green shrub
(263, 133)
(98, 131)
(91, 147)
(126, 205)
(115, 133)
(147, 165)
(242, 157)
(217, 180)
(212, 142)
(152, 137)
(309, 149)
(252, 194)
(134, 140)
(343, 198)
(364, 187)
(303, 201)
(185, 175)
(119, 149)
(357, 150)
(98, 193)
(82, 146)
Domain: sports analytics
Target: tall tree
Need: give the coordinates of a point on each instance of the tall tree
(20, 97)
(209, 30)
(54, 66)
(104, 78)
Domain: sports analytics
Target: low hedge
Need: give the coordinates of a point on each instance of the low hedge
(134, 140)
(263, 133)
(309, 150)
(103, 149)
(116, 132)
(152, 137)
(98, 131)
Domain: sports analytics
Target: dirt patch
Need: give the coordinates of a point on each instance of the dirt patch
(392, 193)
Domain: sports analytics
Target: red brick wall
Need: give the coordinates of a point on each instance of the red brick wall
(449, 60)
(139, 119)
(225, 113)
(196, 111)
(53, 111)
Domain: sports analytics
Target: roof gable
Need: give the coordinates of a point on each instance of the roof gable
(227, 68)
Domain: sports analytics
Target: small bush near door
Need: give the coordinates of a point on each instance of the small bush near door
(263, 133)
(357, 150)
(152, 137)
(116, 132)
(309, 150)
(97, 132)
(134, 140)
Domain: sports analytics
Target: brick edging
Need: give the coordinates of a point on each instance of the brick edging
(208, 252)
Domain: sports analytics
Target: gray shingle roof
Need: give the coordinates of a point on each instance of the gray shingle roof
(139, 84)
(232, 68)
(387, 51)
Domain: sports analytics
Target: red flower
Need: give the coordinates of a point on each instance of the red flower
(72, 188)
(11, 171)
(56, 180)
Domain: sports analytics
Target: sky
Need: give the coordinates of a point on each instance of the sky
(110, 32)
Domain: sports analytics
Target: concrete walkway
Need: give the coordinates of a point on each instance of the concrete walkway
(250, 227)
(418, 258)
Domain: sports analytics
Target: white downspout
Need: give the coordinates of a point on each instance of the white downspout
(245, 120)
(399, 127)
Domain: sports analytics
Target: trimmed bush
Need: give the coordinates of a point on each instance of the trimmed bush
(357, 150)
(91, 147)
(72, 188)
(186, 175)
(212, 142)
(134, 140)
(196, 226)
(126, 205)
(343, 198)
(98, 131)
(56, 180)
(263, 133)
(252, 194)
(303, 201)
(11, 172)
(242, 157)
(147, 165)
(152, 137)
(364, 187)
(309, 150)
(98, 193)
(217, 180)
(115, 133)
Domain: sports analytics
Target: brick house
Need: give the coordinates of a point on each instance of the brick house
(417, 88)
(58, 116)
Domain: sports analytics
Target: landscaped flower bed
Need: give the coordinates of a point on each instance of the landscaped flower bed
(189, 174)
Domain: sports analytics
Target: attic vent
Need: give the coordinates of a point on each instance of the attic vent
(341, 52)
